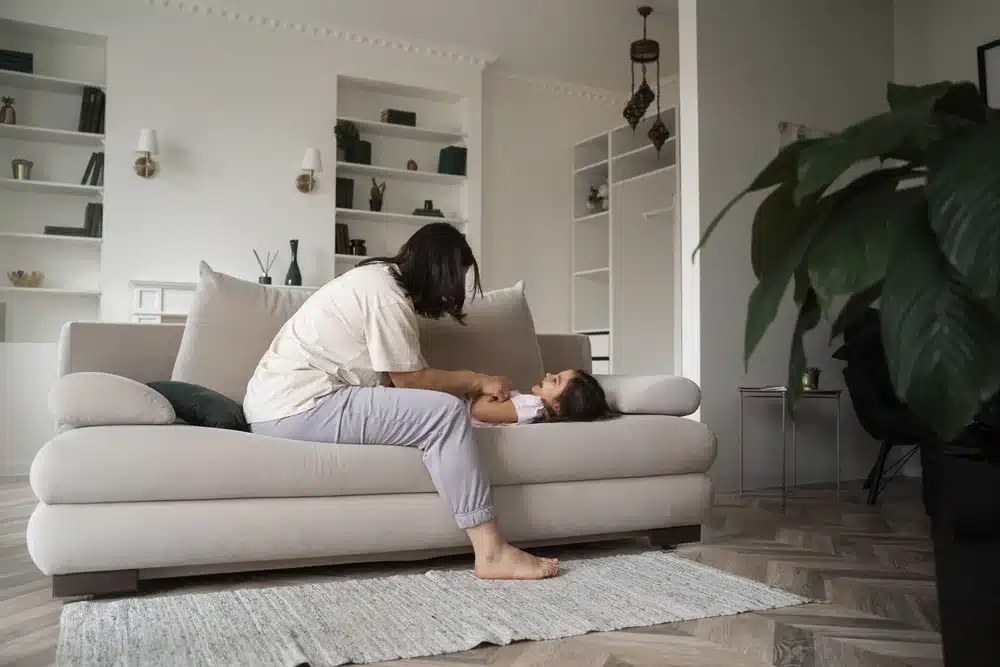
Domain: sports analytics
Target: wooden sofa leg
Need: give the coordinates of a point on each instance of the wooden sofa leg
(113, 582)
(666, 538)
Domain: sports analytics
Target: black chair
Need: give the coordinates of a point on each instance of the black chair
(879, 410)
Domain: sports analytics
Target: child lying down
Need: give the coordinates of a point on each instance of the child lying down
(572, 396)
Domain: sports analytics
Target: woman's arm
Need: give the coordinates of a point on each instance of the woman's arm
(491, 411)
(459, 383)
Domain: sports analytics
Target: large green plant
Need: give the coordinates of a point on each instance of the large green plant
(921, 231)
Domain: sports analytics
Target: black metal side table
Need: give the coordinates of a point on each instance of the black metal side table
(779, 393)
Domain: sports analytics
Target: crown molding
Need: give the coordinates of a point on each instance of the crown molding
(204, 10)
(599, 95)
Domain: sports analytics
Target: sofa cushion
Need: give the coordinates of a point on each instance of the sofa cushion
(498, 338)
(651, 394)
(229, 326)
(200, 406)
(101, 399)
(150, 463)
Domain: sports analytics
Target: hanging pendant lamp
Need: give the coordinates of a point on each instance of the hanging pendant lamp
(643, 52)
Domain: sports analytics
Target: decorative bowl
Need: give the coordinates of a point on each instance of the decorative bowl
(25, 279)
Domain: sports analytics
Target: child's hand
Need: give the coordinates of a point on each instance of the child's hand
(496, 386)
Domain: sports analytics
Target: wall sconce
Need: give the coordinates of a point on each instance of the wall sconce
(311, 164)
(145, 166)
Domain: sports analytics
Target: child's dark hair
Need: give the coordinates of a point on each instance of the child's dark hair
(582, 400)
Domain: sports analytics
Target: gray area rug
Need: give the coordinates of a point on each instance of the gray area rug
(405, 616)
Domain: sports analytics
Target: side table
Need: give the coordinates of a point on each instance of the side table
(779, 393)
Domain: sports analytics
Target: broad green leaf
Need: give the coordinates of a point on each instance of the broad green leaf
(807, 320)
(766, 296)
(878, 137)
(800, 284)
(783, 167)
(963, 100)
(904, 97)
(853, 251)
(940, 340)
(856, 305)
(773, 228)
(963, 195)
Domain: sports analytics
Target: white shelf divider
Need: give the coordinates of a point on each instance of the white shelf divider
(50, 187)
(51, 291)
(53, 238)
(379, 128)
(50, 84)
(593, 273)
(353, 169)
(655, 172)
(357, 214)
(592, 216)
(49, 135)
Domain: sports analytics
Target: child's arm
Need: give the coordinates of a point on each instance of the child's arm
(489, 410)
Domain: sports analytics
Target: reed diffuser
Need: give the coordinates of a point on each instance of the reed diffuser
(265, 267)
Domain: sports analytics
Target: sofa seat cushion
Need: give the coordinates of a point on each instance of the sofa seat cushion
(147, 463)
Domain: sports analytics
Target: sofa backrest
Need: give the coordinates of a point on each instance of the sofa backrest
(146, 352)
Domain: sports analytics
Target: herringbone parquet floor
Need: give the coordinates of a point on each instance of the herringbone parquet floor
(871, 567)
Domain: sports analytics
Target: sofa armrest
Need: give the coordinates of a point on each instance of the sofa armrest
(102, 399)
(651, 394)
(143, 352)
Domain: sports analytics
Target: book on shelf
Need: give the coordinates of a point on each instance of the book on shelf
(56, 230)
(92, 110)
(94, 174)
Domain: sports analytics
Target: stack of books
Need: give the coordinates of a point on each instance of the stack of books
(93, 224)
(95, 170)
(92, 111)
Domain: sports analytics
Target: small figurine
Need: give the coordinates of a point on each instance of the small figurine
(7, 114)
(377, 195)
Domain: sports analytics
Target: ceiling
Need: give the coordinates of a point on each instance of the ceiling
(579, 41)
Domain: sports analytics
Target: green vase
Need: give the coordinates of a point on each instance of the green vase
(294, 275)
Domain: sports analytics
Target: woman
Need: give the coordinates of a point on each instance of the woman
(347, 368)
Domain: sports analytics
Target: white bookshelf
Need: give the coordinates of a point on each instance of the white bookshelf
(621, 275)
(443, 119)
(47, 104)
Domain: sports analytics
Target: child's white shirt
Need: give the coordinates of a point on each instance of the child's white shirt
(529, 408)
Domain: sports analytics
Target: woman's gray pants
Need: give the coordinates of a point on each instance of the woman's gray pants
(437, 424)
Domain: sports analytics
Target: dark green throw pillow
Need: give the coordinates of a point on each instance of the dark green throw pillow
(200, 406)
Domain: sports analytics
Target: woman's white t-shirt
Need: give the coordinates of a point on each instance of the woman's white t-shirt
(352, 331)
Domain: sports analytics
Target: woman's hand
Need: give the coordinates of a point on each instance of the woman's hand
(496, 386)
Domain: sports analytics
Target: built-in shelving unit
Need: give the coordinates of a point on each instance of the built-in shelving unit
(442, 119)
(47, 103)
(621, 254)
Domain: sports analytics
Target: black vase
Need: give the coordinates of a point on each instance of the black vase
(294, 275)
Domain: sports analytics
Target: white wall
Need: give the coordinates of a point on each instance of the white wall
(936, 40)
(824, 63)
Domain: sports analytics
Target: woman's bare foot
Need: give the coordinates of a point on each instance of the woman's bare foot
(495, 559)
(512, 563)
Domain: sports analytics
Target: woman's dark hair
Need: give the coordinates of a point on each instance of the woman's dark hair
(582, 400)
(431, 267)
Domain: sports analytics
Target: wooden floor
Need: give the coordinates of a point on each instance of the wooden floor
(872, 567)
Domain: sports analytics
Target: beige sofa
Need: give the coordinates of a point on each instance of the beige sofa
(123, 503)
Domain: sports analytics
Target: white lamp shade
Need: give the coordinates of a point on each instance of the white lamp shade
(312, 160)
(147, 142)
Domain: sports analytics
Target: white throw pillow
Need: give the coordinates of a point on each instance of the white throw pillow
(229, 326)
(103, 399)
(498, 338)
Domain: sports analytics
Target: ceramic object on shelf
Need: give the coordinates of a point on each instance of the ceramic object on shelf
(810, 379)
(358, 247)
(21, 169)
(294, 276)
(377, 195)
(411, 165)
(26, 279)
(7, 114)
